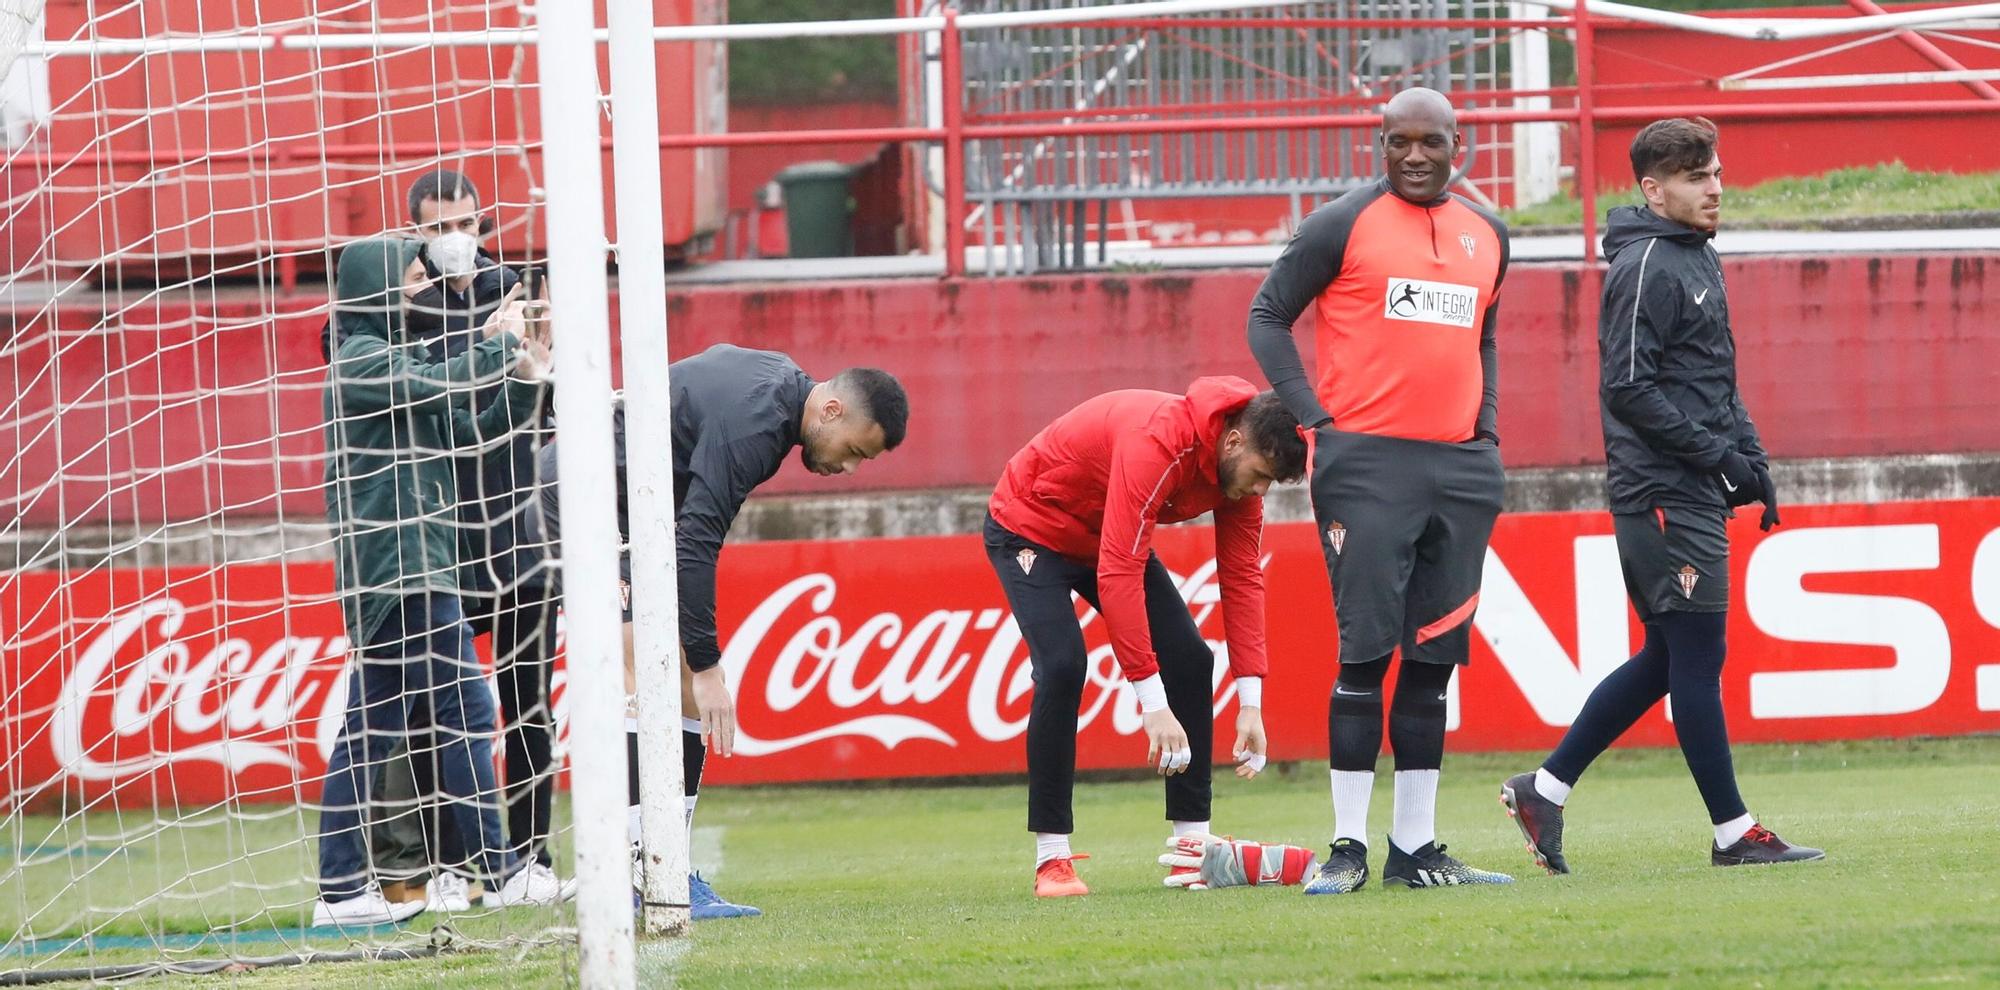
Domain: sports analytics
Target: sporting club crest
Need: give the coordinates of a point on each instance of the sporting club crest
(1026, 558)
(1465, 240)
(1336, 537)
(1687, 578)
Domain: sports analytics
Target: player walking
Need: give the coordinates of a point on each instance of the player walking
(1074, 513)
(738, 413)
(1406, 479)
(1681, 454)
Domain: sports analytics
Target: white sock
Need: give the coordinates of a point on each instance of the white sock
(1732, 831)
(1050, 845)
(1415, 824)
(1183, 828)
(688, 802)
(632, 824)
(1351, 789)
(1549, 787)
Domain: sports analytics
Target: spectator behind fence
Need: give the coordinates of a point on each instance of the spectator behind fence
(394, 418)
(452, 288)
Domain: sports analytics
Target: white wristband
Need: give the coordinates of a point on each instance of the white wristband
(1250, 692)
(1152, 693)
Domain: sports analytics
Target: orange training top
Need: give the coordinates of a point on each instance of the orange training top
(1404, 300)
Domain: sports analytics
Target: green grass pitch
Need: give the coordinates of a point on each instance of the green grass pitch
(881, 887)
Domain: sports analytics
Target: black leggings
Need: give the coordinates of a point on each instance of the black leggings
(1416, 717)
(1040, 597)
(1682, 657)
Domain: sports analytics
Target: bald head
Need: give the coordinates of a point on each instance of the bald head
(1420, 141)
(1420, 105)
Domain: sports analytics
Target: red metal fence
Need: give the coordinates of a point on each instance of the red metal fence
(319, 160)
(1590, 105)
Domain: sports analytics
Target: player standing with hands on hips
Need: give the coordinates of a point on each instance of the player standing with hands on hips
(1401, 277)
(1681, 455)
(1074, 513)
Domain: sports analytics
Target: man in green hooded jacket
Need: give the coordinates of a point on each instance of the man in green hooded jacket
(394, 419)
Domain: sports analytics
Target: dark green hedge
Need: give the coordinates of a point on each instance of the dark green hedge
(811, 70)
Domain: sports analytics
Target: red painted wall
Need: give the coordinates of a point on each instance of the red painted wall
(195, 408)
(750, 168)
(1640, 65)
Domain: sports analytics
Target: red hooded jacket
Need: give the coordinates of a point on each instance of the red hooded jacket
(1093, 483)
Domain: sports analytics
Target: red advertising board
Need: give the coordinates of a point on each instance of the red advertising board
(898, 658)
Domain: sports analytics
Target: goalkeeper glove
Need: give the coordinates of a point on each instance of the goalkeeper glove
(1199, 859)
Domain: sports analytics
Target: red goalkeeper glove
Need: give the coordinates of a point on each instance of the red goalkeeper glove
(1202, 860)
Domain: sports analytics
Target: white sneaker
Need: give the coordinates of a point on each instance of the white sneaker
(447, 892)
(533, 884)
(367, 908)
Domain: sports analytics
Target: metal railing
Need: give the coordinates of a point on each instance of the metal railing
(1030, 197)
(1031, 136)
(1040, 115)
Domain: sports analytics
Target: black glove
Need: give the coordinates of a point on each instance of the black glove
(1741, 484)
(1770, 487)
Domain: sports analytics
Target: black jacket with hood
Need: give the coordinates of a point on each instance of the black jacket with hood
(1667, 383)
(499, 541)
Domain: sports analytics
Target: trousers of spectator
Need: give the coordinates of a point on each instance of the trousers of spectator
(422, 652)
(522, 622)
(1040, 597)
(410, 836)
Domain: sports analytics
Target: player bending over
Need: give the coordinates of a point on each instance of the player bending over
(1681, 454)
(737, 414)
(1074, 512)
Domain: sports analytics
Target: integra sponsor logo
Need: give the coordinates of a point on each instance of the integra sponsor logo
(1431, 302)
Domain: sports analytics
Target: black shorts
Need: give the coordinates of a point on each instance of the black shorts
(1404, 525)
(1675, 559)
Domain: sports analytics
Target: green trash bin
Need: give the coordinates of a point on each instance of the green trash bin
(819, 210)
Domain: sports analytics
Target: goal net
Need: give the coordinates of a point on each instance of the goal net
(187, 188)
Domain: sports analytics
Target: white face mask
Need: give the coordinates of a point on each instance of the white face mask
(455, 254)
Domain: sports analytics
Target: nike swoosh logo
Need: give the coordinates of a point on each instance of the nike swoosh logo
(1698, 297)
(1726, 484)
(1352, 694)
(1441, 697)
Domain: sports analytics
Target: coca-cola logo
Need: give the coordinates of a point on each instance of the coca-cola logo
(792, 648)
(120, 714)
(147, 691)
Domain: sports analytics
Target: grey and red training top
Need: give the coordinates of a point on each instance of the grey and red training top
(1404, 299)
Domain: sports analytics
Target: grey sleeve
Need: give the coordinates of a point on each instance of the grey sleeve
(721, 474)
(1488, 424)
(546, 503)
(549, 509)
(1307, 266)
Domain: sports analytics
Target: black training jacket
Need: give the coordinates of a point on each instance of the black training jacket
(499, 551)
(1667, 381)
(736, 418)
